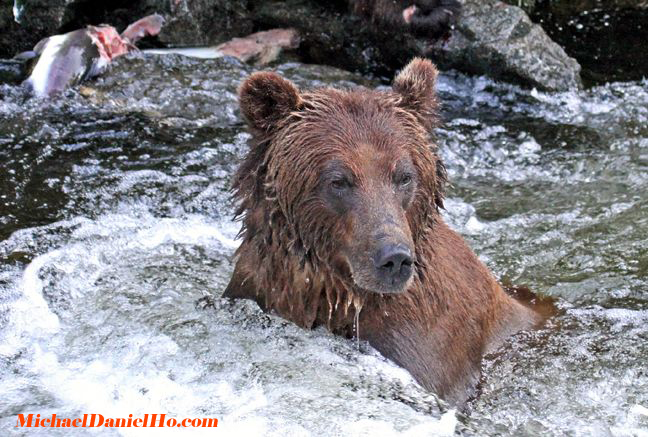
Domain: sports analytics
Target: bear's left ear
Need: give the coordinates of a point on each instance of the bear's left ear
(416, 84)
(266, 98)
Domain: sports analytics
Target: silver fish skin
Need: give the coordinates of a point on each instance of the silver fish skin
(64, 60)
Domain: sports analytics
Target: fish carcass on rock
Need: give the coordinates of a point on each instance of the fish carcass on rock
(65, 60)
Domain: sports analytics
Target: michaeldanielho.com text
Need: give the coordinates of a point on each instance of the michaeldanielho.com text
(98, 421)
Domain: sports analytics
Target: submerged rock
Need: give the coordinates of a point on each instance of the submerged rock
(184, 90)
(527, 5)
(500, 41)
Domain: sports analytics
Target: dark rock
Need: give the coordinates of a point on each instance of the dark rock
(202, 22)
(11, 72)
(330, 35)
(526, 5)
(38, 19)
(188, 22)
(500, 41)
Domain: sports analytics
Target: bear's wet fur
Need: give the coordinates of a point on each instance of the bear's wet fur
(429, 18)
(339, 198)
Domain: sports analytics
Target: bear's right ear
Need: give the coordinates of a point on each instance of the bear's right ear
(267, 98)
(416, 85)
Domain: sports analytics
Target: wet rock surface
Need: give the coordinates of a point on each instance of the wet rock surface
(331, 35)
(500, 41)
(11, 71)
(38, 19)
(202, 22)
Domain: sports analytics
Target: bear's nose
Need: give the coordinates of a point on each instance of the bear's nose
(394, 264)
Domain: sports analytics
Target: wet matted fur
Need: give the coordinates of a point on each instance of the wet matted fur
(306, 254)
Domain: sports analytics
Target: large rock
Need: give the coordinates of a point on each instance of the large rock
(201, 22)
(36, 20)
(500, 41)
(330, 35)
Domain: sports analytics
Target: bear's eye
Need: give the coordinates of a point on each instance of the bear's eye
(341, 184)
(404, 180)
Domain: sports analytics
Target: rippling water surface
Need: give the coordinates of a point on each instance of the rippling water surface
(116, 241)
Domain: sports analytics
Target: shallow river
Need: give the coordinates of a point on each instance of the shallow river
(116, 241)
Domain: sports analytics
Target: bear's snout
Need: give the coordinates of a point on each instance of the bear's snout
(393, 264)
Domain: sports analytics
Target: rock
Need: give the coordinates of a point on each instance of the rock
(330, 35)
(526, 5)
(571, 7)
(172, 87)
(201, 22)
(11, 71)
(38, 19)
(203, 92)
(500, 41)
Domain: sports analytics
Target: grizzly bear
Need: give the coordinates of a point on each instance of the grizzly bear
(339, 198)
(424, 18)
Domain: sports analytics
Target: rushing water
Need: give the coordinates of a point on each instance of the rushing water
(116, 241)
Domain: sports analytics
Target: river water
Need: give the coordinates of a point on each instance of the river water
(116, 243)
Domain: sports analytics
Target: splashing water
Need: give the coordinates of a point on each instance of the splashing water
(116, 242)
(18, 9)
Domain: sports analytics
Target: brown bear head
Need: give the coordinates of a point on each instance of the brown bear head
(347, 181)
